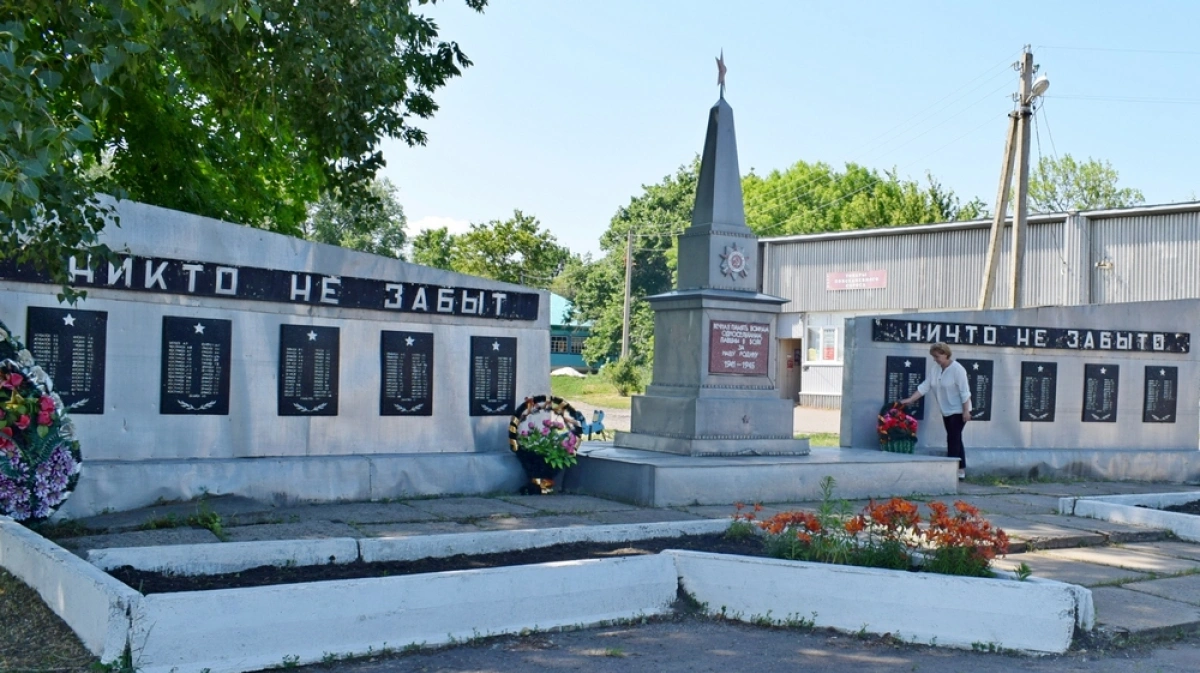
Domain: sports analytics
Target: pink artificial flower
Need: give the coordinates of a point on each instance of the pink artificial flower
(46, 404)
(11, 381)
(22, 422)
(6, 442)
(43, 418)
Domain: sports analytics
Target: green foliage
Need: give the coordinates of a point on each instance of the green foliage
(1058, 185)
(432, 248)
(245, 110)
(812, 198)
(371, 221)
(593, 390)
(516, 250)
(806, 198)
(625, 375)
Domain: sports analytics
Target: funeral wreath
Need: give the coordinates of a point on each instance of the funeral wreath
(39, 455)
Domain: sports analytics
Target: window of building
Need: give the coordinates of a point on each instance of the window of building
(824, 345)
(558, 344)
(577, 345)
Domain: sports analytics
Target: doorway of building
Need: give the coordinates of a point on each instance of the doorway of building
(790, 352)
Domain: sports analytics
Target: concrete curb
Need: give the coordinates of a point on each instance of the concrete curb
(95, 606)
(229, 557)
(963, 612)
(235, 630)
(1140, 509)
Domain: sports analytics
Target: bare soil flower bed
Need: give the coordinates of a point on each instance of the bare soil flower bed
(154, 582)
(1192, 507)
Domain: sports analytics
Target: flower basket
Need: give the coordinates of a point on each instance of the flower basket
(39, 457)
(897, 429)
(545, 433)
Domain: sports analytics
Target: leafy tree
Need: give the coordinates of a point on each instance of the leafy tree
(805, 198)
(516, 250)
(432, 248)
(655, 217)
(374, 222)
(244, 110)
(812, 198)
(1058, 185)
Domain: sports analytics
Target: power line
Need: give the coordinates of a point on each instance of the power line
(1130, 99)
(1126, 50)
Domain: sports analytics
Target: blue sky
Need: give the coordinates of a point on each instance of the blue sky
(572, 106)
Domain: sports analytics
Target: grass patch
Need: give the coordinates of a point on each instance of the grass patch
(592, 390)
(822, 438)
(32, 637)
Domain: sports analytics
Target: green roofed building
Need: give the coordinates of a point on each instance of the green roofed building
(566, 336)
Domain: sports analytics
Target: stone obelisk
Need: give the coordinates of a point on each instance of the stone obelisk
(713, 388)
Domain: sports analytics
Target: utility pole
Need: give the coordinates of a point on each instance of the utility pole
(1017, 145)
(628, 287)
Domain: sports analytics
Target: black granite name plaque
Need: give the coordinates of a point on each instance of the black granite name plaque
(70, 345)
(1159, 400)
(1100, 393)
(195, 366)
(979, 380)
(406, 380)
(308, 370)
(903, 375)
(493, 376)
(1039, 389)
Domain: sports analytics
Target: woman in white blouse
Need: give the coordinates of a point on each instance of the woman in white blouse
(953, 394)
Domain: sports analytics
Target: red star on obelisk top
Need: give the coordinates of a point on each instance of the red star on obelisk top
(721, 72)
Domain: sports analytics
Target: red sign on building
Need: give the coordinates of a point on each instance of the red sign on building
(856, 280)
(738, 347)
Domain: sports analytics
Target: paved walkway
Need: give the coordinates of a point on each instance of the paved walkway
(1143, 582)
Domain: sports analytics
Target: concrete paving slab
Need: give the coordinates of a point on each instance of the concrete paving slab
(1014, 504)
(1092, 488)
(140, 538)
(641, 516)
(354, 513)
(1176, 548)
(1114, 532)
(533, 523)
(1127, 558)
(415, 529)
(227, 506)
(1042, 535)
(1122, 610)
(304, 530)
(563, 503)
(1065, 570)
(469, 507)
(1183, 589)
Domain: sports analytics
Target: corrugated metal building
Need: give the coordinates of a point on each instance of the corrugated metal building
(1095, 257)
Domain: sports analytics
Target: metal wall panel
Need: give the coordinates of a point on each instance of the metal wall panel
(1145, 257)
(939, 267)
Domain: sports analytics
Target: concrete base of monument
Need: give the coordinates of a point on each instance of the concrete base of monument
(114, 485)
(707, 446)
(1134, 464)
(1141, 509)
(665, 480)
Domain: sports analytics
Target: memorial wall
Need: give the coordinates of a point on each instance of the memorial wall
(213, 357)
(1087, 391)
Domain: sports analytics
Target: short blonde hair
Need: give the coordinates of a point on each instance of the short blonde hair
(940, 347)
